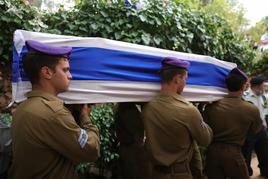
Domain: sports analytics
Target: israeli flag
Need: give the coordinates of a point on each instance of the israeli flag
(112, 71)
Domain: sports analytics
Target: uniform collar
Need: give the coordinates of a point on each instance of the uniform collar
(251, 93)
(231, 96)
(45, 95)
(173, 95)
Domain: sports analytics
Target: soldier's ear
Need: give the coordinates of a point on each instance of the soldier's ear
(176, 79)
(46, 73)
(244, 87)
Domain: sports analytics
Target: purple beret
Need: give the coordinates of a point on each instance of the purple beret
(236, 71)
(35, 46)
(173, 62)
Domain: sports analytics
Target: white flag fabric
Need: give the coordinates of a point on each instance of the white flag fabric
(112, 71)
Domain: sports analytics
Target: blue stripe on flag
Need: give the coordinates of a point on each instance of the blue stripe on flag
(15, 65)
(90, 63)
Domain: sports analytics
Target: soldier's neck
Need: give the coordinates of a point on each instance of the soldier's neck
(235, 94)
(169, 88)
(45, 88)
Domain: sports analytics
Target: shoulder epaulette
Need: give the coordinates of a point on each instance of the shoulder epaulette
(54, 105)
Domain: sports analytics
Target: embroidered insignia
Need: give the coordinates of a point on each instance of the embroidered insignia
(82, 138)
(203, 124)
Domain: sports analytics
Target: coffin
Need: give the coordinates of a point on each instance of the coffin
(112, 71)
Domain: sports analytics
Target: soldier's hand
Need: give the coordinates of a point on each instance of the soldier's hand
(85, 110)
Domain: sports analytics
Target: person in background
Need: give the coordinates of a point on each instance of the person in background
(173, 125)
(134, 162)
(259, 141)
(46, 140)
(230, 119)
(264, 40)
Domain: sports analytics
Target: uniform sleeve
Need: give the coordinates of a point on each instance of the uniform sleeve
(256, 124)
(196, 162)
(199, 130)
(79, 144)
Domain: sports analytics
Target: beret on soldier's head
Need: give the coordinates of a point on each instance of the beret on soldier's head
(38, 47)
(173, 63)
(239, 72)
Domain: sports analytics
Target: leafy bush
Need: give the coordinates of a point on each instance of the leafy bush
(6, 119)
(261, 67)
(102, 117)
(16, 15)
(169, 26)
(165, 25)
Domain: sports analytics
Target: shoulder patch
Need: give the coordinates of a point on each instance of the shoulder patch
(54, 105)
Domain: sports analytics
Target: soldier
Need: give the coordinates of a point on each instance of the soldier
(230, 119)
(259, 141)
(47, 142)
(134, 163)
(172, 125)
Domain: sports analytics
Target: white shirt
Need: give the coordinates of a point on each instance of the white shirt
(264, 37)
(259, 101)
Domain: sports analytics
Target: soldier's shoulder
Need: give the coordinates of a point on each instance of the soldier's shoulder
(247, 102)
(212, 104)
(54, 106)
(248, 105)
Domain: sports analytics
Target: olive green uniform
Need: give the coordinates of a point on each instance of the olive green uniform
(134, 162)
(230, 119)
(46, 139)
(172, 125)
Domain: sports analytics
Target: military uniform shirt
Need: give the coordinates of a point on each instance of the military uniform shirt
(172, 124)
(47, 142)
(230, 119)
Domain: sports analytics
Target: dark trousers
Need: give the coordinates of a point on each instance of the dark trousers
(259, 142)
(175, 171)
(134, 162)
(225, 161)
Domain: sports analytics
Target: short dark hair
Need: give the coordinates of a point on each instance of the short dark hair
(167, 75)
(256, 81)
(33, 62)
(234, 82)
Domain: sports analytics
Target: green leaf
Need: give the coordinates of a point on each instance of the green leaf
(146, 38)
(94, 26)
(104, 14)
(142, 18)
(157, 40)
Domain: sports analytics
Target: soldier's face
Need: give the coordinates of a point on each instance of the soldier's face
(258, 90)
(61, 77)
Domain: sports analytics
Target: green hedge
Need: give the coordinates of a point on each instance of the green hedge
(16, 15)
(102, 117)
(169, 26)
(261, 66)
